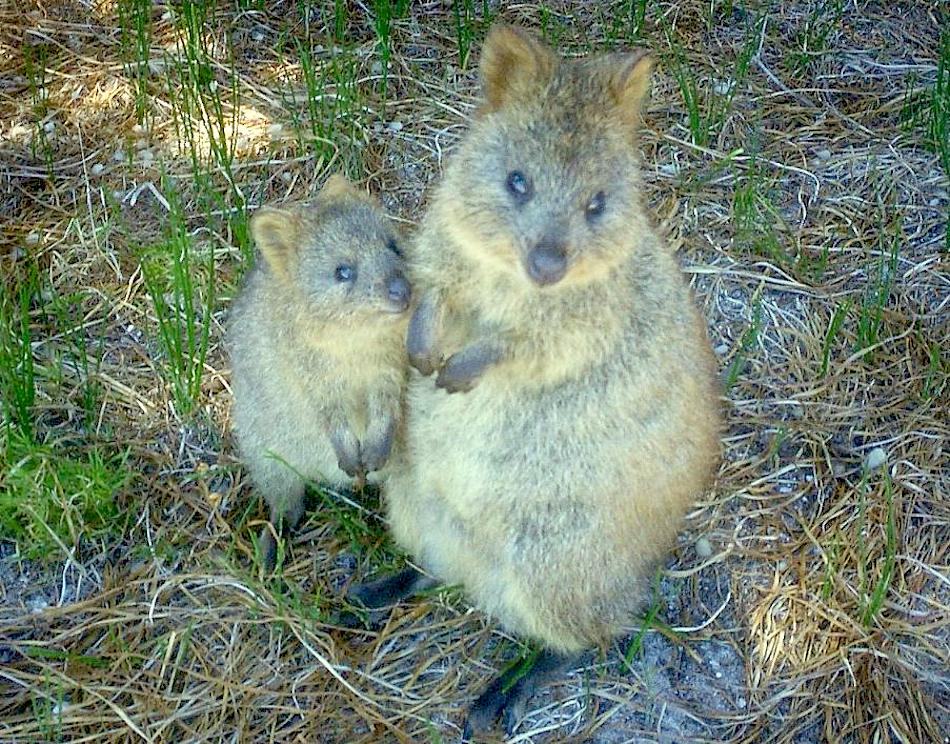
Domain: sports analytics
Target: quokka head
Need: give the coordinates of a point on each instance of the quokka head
(337, 253)
(546, 184)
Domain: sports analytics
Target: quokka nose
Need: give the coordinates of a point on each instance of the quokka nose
(398, 291)
(547, 264)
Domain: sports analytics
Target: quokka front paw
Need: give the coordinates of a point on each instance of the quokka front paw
(376, 450)
(464, 369)
(349, 458)
(420, 339)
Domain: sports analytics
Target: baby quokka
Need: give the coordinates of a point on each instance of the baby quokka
(317, 349)
(574, 415)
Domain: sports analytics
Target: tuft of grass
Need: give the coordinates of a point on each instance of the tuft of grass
(812, 40)
(77, 359)
(17, 372)
(206, 127)
(650, 620)
(468, 26)
(929, 110)
(340, 20)
(876, 295)
(834, 326)
(746, 343)
(708, 113)
(135, 26)
(35, 63)
(938, 373)
(48, 704)
(872, 593)
(326, 121)
(173, 273)
(53, 497)
(754, 216)
(384, 13)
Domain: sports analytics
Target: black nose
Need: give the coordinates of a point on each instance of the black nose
(398, 291)
(547, 263)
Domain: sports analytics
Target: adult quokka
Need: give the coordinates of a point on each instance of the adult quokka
(574, 414)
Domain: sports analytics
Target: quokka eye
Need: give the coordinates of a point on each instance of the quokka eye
(518, 185)
(393, 247)
(344, 273)
(596, 205)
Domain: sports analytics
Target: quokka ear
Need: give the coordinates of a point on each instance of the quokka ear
(630, 84)
(276, 233)
(337, 185)
(513, 63)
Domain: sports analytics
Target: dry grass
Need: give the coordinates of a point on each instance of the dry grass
(810, 597)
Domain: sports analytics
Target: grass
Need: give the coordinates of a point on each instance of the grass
(469, 26)
(877, 293)
(332, 105)
(807, 196)
(55, 497)
(747, 342)
(873, 591)
(834, 326)
(136, 26)
(386, 11)
(17, 372)
(813, 38)
(181, 285)
(708, 103)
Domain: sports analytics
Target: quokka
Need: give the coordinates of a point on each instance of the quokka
(585, 416)
(317, 349)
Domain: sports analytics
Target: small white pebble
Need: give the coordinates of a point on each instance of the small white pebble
(721, 87)
(376, 68)
(49, 127)
(934, 203)
(704, 548)
(823, 154)
(740, 702)
(275, 131)
(138, 129)
(875, 459)
(97, 169)
(146, 156)
(118, 156)
(782, 565)
(258, 36)
(718, 675)
(167, 15)
(33, 238)
(286, 176)
(669, 169)
(722, 349)
(394, 126)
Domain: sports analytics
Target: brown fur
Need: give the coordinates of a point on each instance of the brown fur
(553, 488)
(318, 365)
